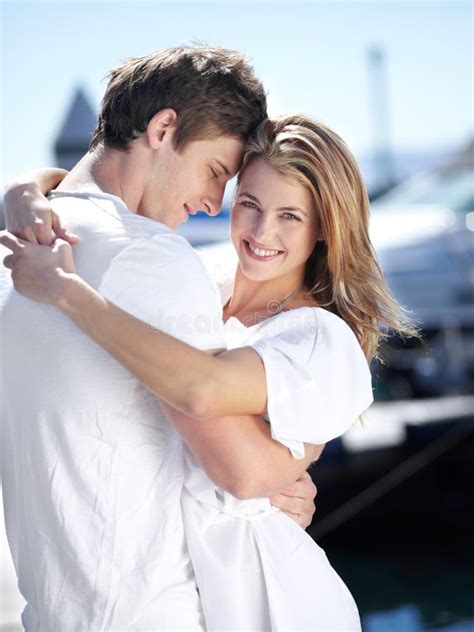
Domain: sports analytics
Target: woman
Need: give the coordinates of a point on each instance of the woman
(303, 312)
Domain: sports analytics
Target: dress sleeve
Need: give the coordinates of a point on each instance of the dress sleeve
(318, 379)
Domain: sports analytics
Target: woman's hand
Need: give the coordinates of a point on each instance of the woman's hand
(28, 213)
(41, 273)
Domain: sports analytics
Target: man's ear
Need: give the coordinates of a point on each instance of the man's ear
(162, 125)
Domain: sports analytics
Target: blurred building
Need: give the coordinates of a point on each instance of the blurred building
(423, 231)
(76, 131)
(74, 136)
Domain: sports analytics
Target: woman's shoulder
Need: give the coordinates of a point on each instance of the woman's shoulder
(304, 321)
(318, 378)
(306, 332)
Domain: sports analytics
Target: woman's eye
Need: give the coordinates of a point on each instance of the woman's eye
(249, 204)
(291, 216)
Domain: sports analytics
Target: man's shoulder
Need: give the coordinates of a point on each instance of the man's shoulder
(162, 281)
(164, 269)
(175, 248)
(92, 212)
(165, 259)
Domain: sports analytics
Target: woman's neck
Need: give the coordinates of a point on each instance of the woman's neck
(254, 301)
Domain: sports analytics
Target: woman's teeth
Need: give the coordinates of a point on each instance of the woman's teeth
(263, 253)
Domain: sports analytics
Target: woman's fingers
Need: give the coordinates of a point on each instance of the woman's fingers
(9, 261)
(63, 254)
(29, 235)
(62, 233)
(11, 242)
(25, 207)
(58, 255)
(37, 271)
(43, 232)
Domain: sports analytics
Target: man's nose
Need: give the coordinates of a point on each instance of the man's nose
(212, 202)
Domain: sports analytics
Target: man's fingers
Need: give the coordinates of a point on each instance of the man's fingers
(303, 488)
(290, 504)
(300, 509)
(11, 242)
(299, 519)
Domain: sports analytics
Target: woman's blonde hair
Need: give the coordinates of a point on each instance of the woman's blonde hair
(342, 274)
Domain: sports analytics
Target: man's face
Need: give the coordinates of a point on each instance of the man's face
(191, 179)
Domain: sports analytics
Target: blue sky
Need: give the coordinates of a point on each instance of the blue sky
(311, 56)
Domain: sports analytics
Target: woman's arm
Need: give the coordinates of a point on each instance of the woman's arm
(196, 383)
(28, 213)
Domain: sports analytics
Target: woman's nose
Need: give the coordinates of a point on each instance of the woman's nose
(263, 228)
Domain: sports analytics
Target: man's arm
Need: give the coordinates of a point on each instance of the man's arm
(239, 454)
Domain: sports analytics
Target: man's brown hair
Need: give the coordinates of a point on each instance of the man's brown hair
(213, 90)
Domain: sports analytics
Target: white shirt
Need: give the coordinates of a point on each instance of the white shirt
(256, 568)
(92, 471)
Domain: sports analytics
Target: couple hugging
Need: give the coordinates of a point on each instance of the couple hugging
(158, 416)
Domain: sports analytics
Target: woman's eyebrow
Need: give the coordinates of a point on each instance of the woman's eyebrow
(249, 195)
(292, 209)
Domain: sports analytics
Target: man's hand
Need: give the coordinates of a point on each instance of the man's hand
(297, 500)
(38, 272)
(29, 215)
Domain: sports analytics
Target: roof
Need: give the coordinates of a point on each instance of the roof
(78, 125)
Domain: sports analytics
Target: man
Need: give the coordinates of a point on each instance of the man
(91, 468)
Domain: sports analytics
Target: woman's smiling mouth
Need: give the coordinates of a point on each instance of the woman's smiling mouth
(260, 254)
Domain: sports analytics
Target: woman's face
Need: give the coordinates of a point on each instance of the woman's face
(274, 225)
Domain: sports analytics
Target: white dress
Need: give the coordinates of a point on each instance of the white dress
(257, 569)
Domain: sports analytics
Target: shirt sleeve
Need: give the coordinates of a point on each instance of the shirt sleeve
(318, 379)
(162, 281)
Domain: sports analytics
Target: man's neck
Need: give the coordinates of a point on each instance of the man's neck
(112, 171)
